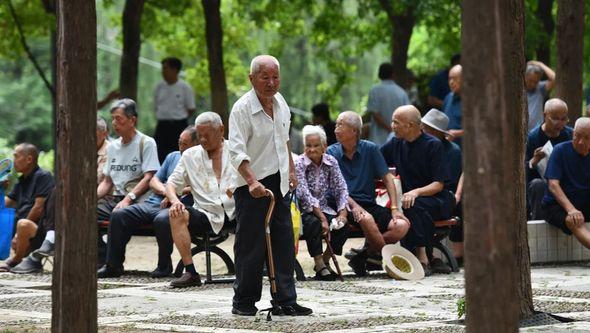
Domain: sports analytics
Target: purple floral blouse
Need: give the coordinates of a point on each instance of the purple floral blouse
(315, 182)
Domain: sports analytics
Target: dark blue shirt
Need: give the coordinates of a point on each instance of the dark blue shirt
(537, 138)
(439, 84)
(573, 172)
(367, 164)
(418, 163)
(453, 158)
(37, 184)
(452, 108)
(163, 173)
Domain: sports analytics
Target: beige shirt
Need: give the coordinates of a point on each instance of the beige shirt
(212, 198)
(101, 160)
(260, 139)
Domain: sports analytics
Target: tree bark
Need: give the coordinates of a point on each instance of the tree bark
(402, 26)
(570, 55)
(74, 307)
(131, 48)
(214, 38)
(545, 16)
(497, 276)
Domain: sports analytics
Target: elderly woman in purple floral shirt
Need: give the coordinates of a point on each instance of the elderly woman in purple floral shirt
(319, 178)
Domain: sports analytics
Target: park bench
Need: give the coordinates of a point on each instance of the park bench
(207, 244)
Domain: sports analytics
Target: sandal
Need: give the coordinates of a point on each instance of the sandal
(7, 265)
(324, 274)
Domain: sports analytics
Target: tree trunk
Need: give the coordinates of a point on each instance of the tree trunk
(497, 276)
(402, 26)
(570, 55)
(131, 48)
(545, 16)
(74, 306)
(214, 37)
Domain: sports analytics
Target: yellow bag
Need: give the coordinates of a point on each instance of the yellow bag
(296, 218)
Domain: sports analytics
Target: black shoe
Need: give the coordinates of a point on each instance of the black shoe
(359, 264)
(427, 270)
(244, 310)
(187, 280)
(291, 310)
(354, 251)
(438, 266)
(28, 266)
(324, 274)
(375, 262)
(161, 273)
(107, 271)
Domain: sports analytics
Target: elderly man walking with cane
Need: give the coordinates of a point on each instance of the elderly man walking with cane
(258, 137)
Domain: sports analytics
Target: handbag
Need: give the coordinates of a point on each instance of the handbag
(296, 219)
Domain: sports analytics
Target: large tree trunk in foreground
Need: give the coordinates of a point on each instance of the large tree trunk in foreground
(570, 55)
(497, 276)
(74, 306)
(214, 37)
(545, 16)
(131, 48)
(402, 26)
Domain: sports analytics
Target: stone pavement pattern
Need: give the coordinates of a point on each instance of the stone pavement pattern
(137, 303)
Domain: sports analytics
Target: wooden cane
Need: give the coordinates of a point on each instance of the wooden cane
(334, 258)
(271, 264)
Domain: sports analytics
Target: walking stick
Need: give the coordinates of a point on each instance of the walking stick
(334, 258)
(270, 261)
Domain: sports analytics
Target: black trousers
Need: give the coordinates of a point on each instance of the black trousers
(166, 136)
(422, 215)
(535, 191)
(250, 245)
(104, 209)
(124, 221)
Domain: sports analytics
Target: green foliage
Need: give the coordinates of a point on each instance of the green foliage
(461, 307)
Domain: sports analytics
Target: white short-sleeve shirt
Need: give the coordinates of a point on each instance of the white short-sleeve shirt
(212, 198)
(125, 162)
(260, 139)
(173, 100)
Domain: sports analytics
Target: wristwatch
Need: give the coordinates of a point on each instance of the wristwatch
(132, 196)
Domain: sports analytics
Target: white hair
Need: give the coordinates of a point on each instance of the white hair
(209, 118)
(353, 120)
(259, 61)
(582, 122)
(314, 130)
(101, 124)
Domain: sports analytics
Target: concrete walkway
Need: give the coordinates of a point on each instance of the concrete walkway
(137, 303)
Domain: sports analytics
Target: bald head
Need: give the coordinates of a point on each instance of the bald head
(583, 124)
(456, 78)
(406, 122)
(555, 105)
(581, 139)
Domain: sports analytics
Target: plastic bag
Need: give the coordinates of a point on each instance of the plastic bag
(296, 218)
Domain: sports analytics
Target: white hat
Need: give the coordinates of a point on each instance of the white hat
(400, 263)
(437, 120)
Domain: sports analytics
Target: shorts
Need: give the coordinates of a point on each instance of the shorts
(381, 215)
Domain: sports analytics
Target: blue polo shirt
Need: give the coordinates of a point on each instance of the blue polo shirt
(360, 172)
(573, 172)
(537, 138)
(452, 108)
(163, 173)
(453, 158)
(418, 163)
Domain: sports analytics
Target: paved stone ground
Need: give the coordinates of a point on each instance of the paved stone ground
(137, 303)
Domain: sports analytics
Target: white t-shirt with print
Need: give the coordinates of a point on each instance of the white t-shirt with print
(173, 100)
(125, 162)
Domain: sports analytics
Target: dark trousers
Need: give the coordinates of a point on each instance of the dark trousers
(422, 215)
(312, 232)
(250, 245)
(104, 209)
(166, 136)
(124, 221)
(535, 190)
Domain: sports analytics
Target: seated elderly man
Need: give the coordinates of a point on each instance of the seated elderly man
(124, 221)
(567, 202)
(361, 163)
(319, 176)
(418, 158)
(552, 129)
(132, 160)
(28, 197)
(207, 170)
